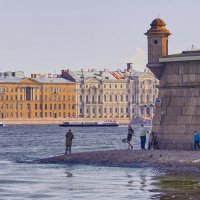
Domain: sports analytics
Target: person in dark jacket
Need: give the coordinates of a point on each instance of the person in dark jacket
(196, 140)
(68, 140)
(129, 137)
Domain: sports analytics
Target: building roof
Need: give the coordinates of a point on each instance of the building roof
(51, 80)
(10, 79)
(157, 27)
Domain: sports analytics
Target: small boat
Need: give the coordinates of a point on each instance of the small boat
(1, 124)
(89, 123)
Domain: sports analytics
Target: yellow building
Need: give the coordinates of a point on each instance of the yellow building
(31, 98)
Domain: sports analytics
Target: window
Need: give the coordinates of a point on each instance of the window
(147, 98)
(80, 98)
(64, 106)
(28, 106)
(92, 98)
(59, 106)
(64, 98)
(110, 110)
(45, 106)
(81, 110)
(122, 98)
(69, 106)
(104, 97)
(21, 107)
(50, 106)
(36, 106)
(93, 110)
(54, 106)
(86, 98)
(104, 110)
(73, 106)
(115, 110)
(99, 98)
(73, 98)
(127, 98)
(116, 98)
(40, 106)
(126, 110)
(110, 98)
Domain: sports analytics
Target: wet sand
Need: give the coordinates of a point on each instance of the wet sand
(181, 160)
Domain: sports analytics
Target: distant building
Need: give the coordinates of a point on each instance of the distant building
(114, 94)
(28, 98)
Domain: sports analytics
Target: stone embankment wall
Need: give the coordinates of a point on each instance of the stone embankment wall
(178, 113)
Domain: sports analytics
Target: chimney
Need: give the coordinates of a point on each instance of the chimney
(129, 67)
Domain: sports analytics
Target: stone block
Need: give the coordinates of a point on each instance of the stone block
(177, 101)
(184, 119)
(189, 78)
(171, 129)
(188, 110)
(174, 111)
(189, 92)
(164, 93)
(197, 78)
(197, 111)
(169, 120)
(165, 102)
(189, 129)
(192, 101)
(174, 79)
(172, 69)
(197, 90)
(195, 120)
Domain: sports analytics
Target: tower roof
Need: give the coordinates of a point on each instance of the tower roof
(157, 27)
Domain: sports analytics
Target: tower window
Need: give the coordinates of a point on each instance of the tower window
(155, 41)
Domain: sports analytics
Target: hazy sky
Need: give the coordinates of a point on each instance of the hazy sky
(42, 36)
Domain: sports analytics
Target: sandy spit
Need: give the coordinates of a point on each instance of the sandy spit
(182, 160)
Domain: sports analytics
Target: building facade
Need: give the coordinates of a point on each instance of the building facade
(29, 98)
(114, 94)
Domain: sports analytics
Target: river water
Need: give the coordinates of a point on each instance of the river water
(23, 178)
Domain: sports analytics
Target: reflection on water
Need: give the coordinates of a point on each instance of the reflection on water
(20, 178)
(180, 187)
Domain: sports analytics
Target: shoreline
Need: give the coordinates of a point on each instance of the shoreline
(162, 159)
(121, 121)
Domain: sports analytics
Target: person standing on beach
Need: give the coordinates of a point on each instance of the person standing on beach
(129, 136)
(196, 140)
(143, 137)
(68, 140)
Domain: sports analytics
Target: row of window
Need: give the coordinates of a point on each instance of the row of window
(53, 90)
(106, 110)
(36, 98)
(142, 100)
(40, 115)
(106, 98)
(39, 106)
(108, 86)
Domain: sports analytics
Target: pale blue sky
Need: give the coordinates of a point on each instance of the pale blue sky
(42, 36)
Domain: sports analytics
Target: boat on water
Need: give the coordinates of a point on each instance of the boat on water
(2, 124)
(89, 123)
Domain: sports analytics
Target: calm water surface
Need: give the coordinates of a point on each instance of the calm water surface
(22, 178)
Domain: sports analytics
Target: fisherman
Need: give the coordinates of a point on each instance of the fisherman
(69, 137)
(129, 136)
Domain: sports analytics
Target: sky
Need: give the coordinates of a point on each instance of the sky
(46, 36)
